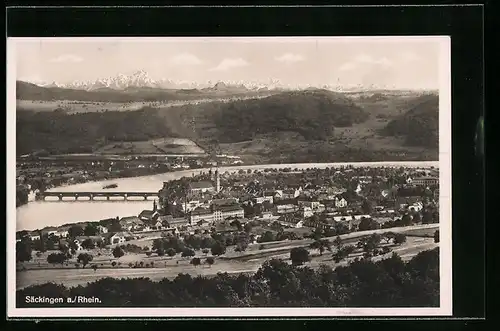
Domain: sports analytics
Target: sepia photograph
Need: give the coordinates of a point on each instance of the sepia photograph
(229, 176)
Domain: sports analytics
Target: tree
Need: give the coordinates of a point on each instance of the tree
(366, 207)
(367, 224)
(299, 255)
(148, 254)
(84, 259)
(343, 253)
(321, 245)
(88, 244)
(57, 258)
(75, 231)
(23, 250)
(426, 217)
(115, 226)
(406, 220)
(237, 225)
(196, 261)
(338, 243)
(399, 238)
(436, 236)
(94, 266)
(210, 260)
(118, 252)
(171, 252)
(267, 237)
(218, 248)
(90, 230)
(248, 227)
(188, 253)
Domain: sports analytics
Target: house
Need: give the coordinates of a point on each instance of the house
(158, 225)
(291, 222)
(309, 203)
(224, 212)
(201, 214)
(291, 193)
(278, 194)
(102, 229)
(191, 205)
(203, 223)
(216, 213)
(263, 198)
(115, 238)
(417, 206)
(201, 187)
(171, 232)
(284, 209)
(34, 236)
(61, 233)
(426, 181)
(266, 215)
(306, 211)
(148, 215)
(340, 202)
(130, 223)
(406, 202)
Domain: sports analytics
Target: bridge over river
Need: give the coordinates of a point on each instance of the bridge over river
(93, 195)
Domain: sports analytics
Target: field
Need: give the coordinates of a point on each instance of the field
(155, 146)
(157, 268)
(74, 107)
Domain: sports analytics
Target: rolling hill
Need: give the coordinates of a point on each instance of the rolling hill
(419, 125)
(312, 114)
(29, 91)
(293, 126)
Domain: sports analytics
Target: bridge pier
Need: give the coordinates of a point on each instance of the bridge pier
(60, 197)
(145, 197)
(91, 197)
(107, 197)
(125, 196)
(76, 196)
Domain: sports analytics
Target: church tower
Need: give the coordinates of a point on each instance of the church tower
(154, 205)
(217, 180)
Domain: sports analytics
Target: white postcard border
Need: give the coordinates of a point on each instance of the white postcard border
(445, 224)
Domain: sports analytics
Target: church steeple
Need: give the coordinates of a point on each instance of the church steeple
(154, 205)
(217, 179)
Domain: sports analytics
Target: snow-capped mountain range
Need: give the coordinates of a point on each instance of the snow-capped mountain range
(141, 79)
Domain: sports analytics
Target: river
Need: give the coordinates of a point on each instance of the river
(39, 214)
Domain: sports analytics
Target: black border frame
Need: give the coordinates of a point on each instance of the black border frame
(464, 24)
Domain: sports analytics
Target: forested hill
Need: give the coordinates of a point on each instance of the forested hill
(312, 114)
(420, 124)
(59, 133)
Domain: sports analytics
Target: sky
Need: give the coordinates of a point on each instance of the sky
(408, 62)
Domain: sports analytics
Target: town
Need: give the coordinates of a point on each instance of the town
(219, 215)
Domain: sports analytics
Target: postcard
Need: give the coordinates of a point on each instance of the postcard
(229, 177)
